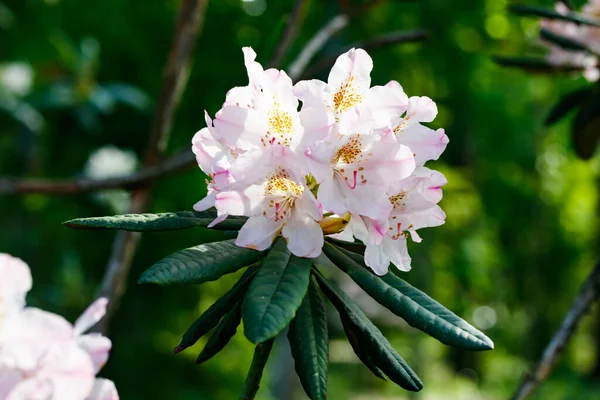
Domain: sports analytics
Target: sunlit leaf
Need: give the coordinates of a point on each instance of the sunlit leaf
(157, 222)
(211, 317)
(275, 293)
(310, 343)
(418, 309)
(222, 334)
(199, 264)
(379, 350)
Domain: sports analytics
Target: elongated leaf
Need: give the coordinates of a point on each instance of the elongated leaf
(562, 41)
(358, 347)
(275, 293)
(355, 247)
(566, 104)
(262, 351)
(199, 264)
(211, 317)
(535, 65)
(157, 222)
(586, 127)
(310, 343)
(380, 351)
(536, 11)
(414, 306)
(222, 335)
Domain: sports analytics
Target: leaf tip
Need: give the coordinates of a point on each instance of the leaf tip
(178, 349)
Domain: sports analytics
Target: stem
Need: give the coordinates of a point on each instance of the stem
(291, 31)
(589, 292)
(261, 355)
(179, 161)
(189, 22)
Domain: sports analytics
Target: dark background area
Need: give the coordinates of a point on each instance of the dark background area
(522, 211)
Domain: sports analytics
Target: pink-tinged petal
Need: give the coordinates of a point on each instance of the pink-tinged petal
(382, 103)
(97, 347)
(309, 205)
(317, 123)
(104, 389)
(304, 236)
(421, 109)
(428, 218)
(251, 166)
(210, 153)
(317, 160)
(433, 188)
(425, 143)
(376, 229)
(72, 376)
(367, 200)
(394, 84)
(376, 259)
(15, 283)
(313, 93)
(207, 202)
(391, 162)
(220, 218)
(258, 233)
(32, 388)
(398, 252)
(237, 202)
(231, 122)
(239, 96)
(9, 378)
(255, 70)
(332, 196)
(354, 68)
(278, 85)
(91, 315)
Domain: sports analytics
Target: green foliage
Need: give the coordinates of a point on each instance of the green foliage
(535, 11)
(418, 309)
(157, 222)
(222, 334)
(211, 317)
(561, 41)
(309, 341)
(380, 351)
(275, 293)
(200, 264)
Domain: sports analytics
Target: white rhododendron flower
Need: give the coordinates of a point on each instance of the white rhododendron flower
(43, 356)
(589, 36)
(282, 154)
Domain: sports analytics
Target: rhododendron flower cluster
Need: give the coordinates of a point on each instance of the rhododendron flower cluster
(42, 356)
(584, 34)
(292, 157)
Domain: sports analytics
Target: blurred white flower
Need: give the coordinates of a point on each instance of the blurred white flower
(17, 78)
(110, 162)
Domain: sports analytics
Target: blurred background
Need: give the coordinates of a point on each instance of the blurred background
(78, 81)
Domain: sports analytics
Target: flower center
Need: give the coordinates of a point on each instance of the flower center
(350, 153)
(280, 126)
(283, 193)
(396, 199)
(346, 96)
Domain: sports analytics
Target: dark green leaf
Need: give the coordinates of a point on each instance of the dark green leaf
(222, 335)
(261, 356)
(536, 11)
(535, 65)
(380, 351)
(199, 264)
(359, 349)
(310, 343)
(211, 317)
(355, 247)
(566, 104)
(418, 309)
(275, 293)
(586, 127)
(157, 222)
(562, 41)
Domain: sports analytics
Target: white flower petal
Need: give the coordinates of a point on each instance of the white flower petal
(91, 315)
(258, 233)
